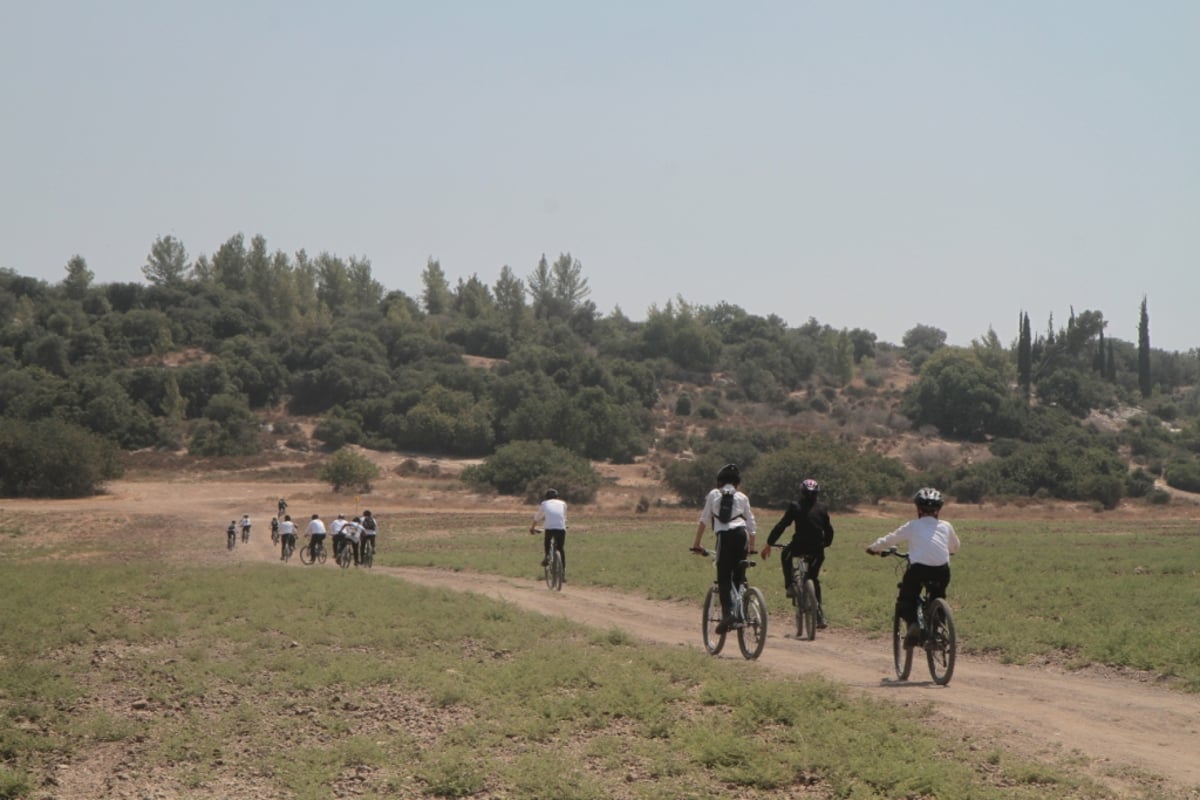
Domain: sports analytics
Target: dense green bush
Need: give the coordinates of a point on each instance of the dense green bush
(52, 458)
(847, 477)
(1183, 474)
(528, 468)
(349, 470)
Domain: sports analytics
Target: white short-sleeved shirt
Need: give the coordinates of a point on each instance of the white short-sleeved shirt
(287, 527)
(742, 515)
(554, 513)
(316, 528)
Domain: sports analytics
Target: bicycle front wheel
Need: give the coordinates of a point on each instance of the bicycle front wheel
(808, 604)
(713, 641)
(900, 654)
(321, 554)
(306, 554)
(287, 552)
(752, 636)
(941, 644)
(368, 555)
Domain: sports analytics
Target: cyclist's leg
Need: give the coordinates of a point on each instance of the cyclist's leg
(559, 540)
(547, 543)
(785, 561)
(731, 549)
(815, 561)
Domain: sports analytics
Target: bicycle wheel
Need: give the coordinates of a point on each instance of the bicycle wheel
(752, 636)
(556, 571)
(287, 552)
(368, 554)
(321, 553)
(306, 554)
(808, 610)
(713, 641)
(901, 655)
(941, 644)
(345, 555)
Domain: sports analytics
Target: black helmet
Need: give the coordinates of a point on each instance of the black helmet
(928, 499)
(729, 474)
(809, 486)
(551, 494)
(366, 513)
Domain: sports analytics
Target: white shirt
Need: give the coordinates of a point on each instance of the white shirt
(352, 530)
(287, 527)
(316, 528)
(930, 541)
(335, 527)
(742, 515)
(554, 512)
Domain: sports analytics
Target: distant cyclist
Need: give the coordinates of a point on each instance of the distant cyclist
(812, 534)
(316, 535)
(231, 533)
(351, 534)
(335, 530)
(370, 528)
(287, 535)
(245, 528)
(553, 513)
(282, 507)
(275, 530)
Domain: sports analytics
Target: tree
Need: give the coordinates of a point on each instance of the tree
(79, 278)
(1024, 356)
(349, 470)
(957, 393)
(53, 458)
(166, 265)
(1143, 354)
(437, 289)
(920, 342)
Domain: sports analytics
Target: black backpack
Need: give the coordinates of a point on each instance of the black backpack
(369, 523)
(725, 510)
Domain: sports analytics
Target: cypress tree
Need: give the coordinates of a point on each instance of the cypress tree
(1024, 355)
(1144, 351)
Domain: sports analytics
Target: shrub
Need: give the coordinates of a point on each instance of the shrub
(349, 470)
(528, 468)
(1184, 475)
(683, 406)
(53, 458)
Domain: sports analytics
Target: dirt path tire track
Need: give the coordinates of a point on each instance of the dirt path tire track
(1119, 724)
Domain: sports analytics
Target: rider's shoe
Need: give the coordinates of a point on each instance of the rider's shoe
(725, 624)
(913, 637)
(790, 590)
(821, 623)
(546, 561)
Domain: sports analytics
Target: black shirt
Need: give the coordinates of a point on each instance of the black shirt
(814, 531)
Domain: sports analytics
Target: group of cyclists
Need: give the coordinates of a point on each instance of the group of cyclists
(357, 533)
(930, 540)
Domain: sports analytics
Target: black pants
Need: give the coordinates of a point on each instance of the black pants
(815, 560)
(731, 552)
(938, 579)
(559, 538)
(286, 540)
(312, 544)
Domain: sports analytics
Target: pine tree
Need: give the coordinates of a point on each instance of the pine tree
(1024, 355)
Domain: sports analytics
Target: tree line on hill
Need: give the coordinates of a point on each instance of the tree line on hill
(205, 352)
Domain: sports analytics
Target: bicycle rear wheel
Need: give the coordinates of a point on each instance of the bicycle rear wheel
(941, 643)
(808, 605)
(306, 554)
(752, 636)
(556, 570)
(321, 553)
(345, 555)
(900, 654)
(368, 554)
(713, 641)
(288, 547)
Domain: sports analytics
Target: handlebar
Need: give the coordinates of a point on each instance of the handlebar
(892, 551)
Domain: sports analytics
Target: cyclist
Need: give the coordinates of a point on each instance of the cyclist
(335, 529)
(553, 512)
(245, 527)
(316, 535)
(351, 534)
(275, 529)
(931, 542)
(287, 535)
(727, 511)
(812, 534)
(282, 506)
(370, 528)
(231, 533)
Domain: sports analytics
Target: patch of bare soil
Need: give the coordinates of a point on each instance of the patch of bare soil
(1133, 731)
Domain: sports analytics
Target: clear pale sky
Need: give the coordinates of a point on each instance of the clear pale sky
(872, 164)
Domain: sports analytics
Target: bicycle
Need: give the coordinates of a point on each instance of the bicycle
(245, 534)
(367, 556)
(804, 599)
(938, 637)
(307, 554)
(289, 546)
(552, 567)
(749, 614)
(231, 534)
(343, 554)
